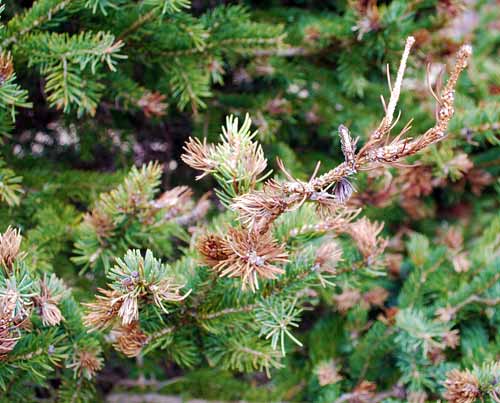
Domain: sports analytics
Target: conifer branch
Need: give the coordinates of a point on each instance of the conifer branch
(158, 9)
(284, 277)
(143, 19)
(227, 311)
(475, 298)
(249, 46)
(22, 25)
(161, 333)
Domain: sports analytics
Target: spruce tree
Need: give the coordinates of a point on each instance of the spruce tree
(335, 241)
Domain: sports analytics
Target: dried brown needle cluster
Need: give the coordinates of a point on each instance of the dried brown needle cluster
(364, 392)
(259, 208)
(336, 224)
(328, 255)
(244, 254)
(351, 297)
(152, 104)
(135, 198)
(47, 302)
(100, 222)
(376, 296)
(113, 304)
(414, 183)
(11, 318)
(365, 234)
(129, 339)
(102, 312)
(453, 239)
(200, 156)
(10, 242)
(86, 363)
(174, 202)
(18, 299)
(9, 326)
(461, 387)
(328, 373)
(347, 299)
(137, 281)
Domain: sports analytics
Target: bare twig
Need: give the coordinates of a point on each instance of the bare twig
(395, 92)
(475, 298)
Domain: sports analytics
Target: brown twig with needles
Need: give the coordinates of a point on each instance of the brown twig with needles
(250, 252)
(261, 207)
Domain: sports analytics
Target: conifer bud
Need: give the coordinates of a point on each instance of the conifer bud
(343, 190)
(348, 148)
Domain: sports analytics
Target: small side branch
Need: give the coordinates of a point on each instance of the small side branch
(476, 298)
(36, 23)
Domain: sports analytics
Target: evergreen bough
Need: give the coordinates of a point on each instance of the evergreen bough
(291, 279)
(232, 291)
